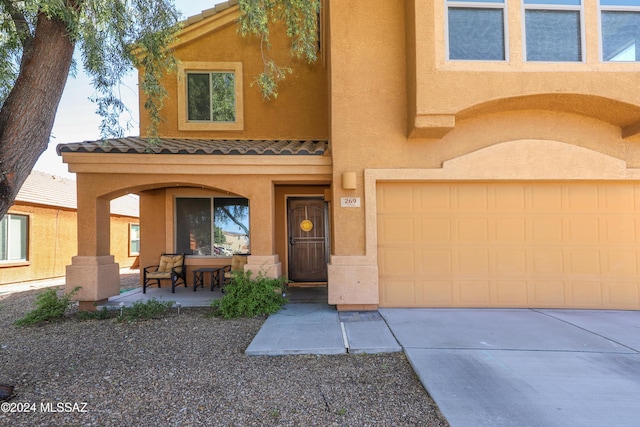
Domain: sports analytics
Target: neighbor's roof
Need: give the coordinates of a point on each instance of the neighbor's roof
(210, 12)
(136, 145)
(42, 188)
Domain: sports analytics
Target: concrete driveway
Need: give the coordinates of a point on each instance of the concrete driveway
(525, 367)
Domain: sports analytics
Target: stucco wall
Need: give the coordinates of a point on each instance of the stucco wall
(300, 110)
(53, 242)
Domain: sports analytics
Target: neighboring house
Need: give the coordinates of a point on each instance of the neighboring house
(38, 236)
(438, 154)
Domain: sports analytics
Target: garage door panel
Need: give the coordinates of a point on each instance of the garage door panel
(473, 261)
(545, 198)
(511, 261)
(581, 198)
(399, 293)
(582, 230)
(435, 229)
(621, 262)
(397, 262)
(624, 295)
(473, 292)
(563, 244)
(471, 229)
(548, 293)
(474, 198)
(435, 261)
(510, 229)
(437, 293)
(582, 262)
(546, 229)
(618, 198)
(547, 260)
(585, 293)
(397, 229)
(512, 293)
(619, 229)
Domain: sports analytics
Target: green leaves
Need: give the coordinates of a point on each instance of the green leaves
(113, 37)
(300, 18)
(246, 296)
(48, 307)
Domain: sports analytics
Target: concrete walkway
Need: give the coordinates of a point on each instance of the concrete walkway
(320, 329)
(525, 367)
(488, 367)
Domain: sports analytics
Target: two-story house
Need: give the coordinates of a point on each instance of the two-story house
(439, 154)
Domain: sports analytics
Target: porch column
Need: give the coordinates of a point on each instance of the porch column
(94, 269)
(263, 258)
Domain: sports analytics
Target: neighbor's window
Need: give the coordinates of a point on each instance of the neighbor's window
(134, 239)
(620, 20)
(553, 30)
(13, 238)
(210, 96)
(476, 29)
(212, 226)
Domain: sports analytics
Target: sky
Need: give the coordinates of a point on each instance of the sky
(76, 120)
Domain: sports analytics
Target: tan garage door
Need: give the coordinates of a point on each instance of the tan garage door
(509, 245)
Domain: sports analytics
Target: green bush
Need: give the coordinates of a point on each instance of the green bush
(247, 296)
(102, 314)
(150, 309)
(48, 307)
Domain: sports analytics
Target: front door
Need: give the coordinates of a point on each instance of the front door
(308, 237)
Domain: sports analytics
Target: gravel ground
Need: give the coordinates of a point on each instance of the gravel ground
(191, 370)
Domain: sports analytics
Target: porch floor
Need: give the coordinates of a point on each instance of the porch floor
(202, 297)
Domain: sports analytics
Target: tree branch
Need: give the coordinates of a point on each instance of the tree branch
(22, 26)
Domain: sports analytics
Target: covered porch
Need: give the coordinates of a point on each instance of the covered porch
(203, 297)
(261, 174)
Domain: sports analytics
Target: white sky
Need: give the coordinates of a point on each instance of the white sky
(76, 120)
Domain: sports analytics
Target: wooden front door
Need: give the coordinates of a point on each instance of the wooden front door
(308, 238)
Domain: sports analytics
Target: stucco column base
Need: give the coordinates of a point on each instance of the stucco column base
(267, 265)
(97, 276)
(353, 283)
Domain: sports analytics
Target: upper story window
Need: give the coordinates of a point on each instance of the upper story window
(476, 29)
(13, 238)
(620, 20)
(210, 96)
(553, 30)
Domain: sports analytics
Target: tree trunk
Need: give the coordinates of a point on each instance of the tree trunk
(27, 116)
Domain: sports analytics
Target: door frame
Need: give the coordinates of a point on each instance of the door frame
(327, 225)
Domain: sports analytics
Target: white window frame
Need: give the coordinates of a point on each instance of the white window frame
(23, 238)
(554, 7)
(133, 234)
(209, 67)
(461, 4)
(611, 8)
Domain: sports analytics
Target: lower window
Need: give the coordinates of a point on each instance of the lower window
(13, 238)
(212, 226)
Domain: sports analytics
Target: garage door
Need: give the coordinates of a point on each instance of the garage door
(509, 245)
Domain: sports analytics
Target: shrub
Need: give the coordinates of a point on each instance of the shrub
(48, 307)
(248, 296)
(102, 314)
(150, 309)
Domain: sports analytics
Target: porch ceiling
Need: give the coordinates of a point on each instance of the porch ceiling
(137, 145)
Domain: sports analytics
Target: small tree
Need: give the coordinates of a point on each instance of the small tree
(38, 39)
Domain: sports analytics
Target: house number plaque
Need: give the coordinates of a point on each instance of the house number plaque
(350, 202)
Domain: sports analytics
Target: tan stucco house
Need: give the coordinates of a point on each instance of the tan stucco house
(439, 154)
(38, 236)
